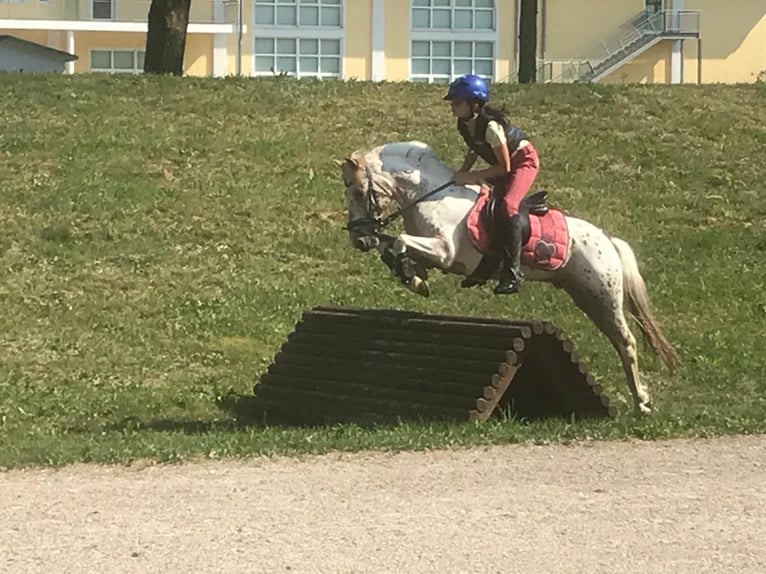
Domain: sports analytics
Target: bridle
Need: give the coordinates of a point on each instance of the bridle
(373, 223)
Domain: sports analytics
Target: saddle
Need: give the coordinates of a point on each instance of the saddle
(536, 203)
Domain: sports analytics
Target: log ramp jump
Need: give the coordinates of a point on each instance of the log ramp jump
(373, 366)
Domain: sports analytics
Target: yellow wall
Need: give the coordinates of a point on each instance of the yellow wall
(37, 36)
(198, 56)
(506, 57)
(397, 52)
(126, 10)
(733, 41)
(651, 67)
(130, 10)
(201, 11)
(85, 41)
(34, 9)
(575, 27)
(358, 44)
(232, 41)
(733, 37)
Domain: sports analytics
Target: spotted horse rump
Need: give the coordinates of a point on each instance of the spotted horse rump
(545, 233)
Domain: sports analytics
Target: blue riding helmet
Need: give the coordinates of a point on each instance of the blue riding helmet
(468, 87)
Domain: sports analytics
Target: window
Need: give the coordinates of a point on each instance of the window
(297, 13)
(452, 37)
(102, 9)
(301, 38)
(453, 14)
(130, 61)
(654, 5)
(301, 57)
(442, 60)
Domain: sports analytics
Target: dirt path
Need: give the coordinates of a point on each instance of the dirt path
(676, 507)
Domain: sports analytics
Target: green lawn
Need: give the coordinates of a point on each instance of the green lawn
(160, 237)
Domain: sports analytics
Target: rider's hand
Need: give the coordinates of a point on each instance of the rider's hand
(464, 178)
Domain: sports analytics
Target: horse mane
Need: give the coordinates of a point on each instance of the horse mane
(411, 163)
(409, 166)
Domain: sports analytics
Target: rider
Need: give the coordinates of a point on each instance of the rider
(513, 166)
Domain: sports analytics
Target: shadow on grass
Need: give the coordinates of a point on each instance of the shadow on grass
(241, 413)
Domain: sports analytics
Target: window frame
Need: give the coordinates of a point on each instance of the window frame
(452, 35)
(112, 70)
(112, 10)
(453, 8)
(300, 32)
(432, 78)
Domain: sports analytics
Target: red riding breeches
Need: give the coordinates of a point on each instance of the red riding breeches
(512, 188)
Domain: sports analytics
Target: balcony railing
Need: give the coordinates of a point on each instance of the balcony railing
(645, 26)
(626, 41)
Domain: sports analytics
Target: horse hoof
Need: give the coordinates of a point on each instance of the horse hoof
(417, 285)
(644, 410)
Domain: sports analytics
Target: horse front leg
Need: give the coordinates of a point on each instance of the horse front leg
(409, 250)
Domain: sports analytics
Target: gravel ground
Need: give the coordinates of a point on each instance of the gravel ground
(682, 506)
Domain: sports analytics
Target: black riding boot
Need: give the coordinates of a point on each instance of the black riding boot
(511, 277)
(483, 271)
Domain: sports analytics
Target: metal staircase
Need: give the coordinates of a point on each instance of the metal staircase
(628, 41)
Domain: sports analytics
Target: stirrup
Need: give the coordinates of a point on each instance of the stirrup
(507, 288)
(510, 283)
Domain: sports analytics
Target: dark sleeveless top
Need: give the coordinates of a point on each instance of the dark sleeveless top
(478, 142)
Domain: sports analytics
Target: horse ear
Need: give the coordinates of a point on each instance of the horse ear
(347, 163)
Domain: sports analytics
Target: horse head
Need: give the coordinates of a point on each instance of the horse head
(405, 172)
(368, 192)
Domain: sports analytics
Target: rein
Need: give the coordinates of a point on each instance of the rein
(375, 220)
(389, 218)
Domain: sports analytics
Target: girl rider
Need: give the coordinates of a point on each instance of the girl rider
(513, 166)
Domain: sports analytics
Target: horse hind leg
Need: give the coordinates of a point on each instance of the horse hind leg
(600, 296)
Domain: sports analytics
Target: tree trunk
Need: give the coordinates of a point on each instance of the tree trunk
(528, 42)
(166, 36)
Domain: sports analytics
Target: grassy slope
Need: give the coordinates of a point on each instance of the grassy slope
(159, 239)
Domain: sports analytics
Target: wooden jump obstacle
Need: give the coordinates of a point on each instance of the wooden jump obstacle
(364, 366)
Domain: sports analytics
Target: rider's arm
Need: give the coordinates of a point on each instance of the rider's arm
(470, 159)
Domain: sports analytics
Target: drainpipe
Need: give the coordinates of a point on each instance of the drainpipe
(239, 37)
(677, 53)
(517, 31)
(544, 26)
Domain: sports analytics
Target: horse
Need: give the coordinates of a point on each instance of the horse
(443, 230)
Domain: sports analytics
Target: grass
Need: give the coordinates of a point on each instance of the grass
(160, 237)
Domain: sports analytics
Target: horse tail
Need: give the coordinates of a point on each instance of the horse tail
(637, 299)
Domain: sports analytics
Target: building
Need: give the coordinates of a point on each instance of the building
(650, 41)
(17, 55)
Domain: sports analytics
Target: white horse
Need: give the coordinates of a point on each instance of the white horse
(443, 230)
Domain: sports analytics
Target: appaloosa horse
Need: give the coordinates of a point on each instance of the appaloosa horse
(445, 228)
